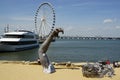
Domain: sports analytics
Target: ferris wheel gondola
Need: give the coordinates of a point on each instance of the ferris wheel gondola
(44, 20)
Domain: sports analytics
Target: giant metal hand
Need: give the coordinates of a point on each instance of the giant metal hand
(48, 67)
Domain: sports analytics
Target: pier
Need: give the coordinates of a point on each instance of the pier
(87, 38)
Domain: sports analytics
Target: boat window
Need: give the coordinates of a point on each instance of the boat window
(28, 36)
(13, 36)
(18, 36)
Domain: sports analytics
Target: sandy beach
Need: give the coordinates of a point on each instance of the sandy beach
(16, 70)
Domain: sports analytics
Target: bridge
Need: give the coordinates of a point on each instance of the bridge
(87, 38)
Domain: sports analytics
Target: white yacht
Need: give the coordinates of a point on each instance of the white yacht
(18, 40)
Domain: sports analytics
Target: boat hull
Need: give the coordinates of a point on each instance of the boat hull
(6, 48)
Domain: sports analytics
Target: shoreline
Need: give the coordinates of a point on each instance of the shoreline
(26, 70)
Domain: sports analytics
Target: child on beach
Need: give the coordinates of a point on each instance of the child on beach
(38, 60)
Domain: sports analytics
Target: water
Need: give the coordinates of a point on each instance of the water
(72, 50)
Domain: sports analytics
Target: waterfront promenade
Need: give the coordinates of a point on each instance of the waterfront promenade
(88, 38)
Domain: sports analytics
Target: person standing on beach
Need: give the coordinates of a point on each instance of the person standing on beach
(108, 62)
(110, 69)
(47, 66)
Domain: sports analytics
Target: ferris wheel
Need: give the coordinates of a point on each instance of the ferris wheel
(44, 20)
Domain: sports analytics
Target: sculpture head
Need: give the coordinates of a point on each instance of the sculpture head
(57, 30)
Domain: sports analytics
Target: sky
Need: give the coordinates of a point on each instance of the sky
(99, 18)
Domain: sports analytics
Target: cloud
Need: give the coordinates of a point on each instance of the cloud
(117, 27)
(69, 28)
(108, 21)
(23, 18)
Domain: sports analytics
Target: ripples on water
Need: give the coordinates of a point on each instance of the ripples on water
(73, 50)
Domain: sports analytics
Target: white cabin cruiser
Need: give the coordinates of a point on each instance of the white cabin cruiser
(18, 40)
